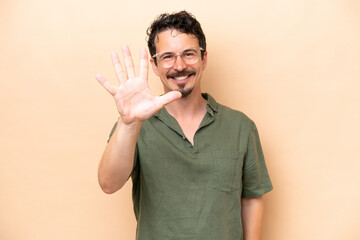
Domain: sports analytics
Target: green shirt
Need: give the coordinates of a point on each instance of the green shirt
(184, 191)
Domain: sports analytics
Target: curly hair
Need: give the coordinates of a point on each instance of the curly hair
(182, 21)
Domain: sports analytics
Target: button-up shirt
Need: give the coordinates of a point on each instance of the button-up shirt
(193, 191)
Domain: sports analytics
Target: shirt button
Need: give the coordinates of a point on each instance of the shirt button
(184, 137)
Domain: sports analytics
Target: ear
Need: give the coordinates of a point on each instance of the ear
(154, 67)
(204, 61)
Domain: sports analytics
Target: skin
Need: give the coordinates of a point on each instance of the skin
(136, 103)
(252, 217)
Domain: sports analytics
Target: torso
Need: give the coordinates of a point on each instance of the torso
(195, 191)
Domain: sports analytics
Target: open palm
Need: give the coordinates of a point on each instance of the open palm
(134, 100)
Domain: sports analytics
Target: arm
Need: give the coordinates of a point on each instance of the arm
(117, 160)
(252, 216)
(135, 104)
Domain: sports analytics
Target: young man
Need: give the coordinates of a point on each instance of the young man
(197, 166)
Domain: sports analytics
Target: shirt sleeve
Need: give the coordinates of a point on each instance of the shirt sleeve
(112, 131)
(255, 178)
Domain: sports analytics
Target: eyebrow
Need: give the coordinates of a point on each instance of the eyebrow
(165, 52)
(186, 49)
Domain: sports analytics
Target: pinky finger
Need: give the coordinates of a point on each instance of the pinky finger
(107, 85)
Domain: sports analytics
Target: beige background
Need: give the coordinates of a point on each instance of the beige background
(293, 66)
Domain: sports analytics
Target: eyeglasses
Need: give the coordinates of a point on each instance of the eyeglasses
(168, 59)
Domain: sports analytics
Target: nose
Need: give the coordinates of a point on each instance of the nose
(179, 64)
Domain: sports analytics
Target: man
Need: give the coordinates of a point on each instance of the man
(197, 166)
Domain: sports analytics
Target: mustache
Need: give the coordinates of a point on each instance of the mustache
(180, 73)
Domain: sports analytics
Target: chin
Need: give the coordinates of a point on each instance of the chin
(185, 92)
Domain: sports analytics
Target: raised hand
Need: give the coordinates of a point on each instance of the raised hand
(133, 98)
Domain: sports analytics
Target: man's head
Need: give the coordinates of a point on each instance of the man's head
(178, 48)
(182, 22)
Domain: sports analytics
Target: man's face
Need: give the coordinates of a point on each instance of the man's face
(181, 76)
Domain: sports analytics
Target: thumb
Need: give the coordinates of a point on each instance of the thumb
(168, 98)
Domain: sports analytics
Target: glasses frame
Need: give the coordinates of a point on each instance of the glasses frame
(178, 54)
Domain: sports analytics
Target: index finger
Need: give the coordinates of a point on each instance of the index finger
(144, 64)
(107, 85)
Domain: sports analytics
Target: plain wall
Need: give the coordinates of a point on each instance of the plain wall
(292, 66)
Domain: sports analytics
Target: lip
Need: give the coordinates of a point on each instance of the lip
(182, 81)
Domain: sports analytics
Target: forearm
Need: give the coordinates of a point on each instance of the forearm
(117, 161)
(252, 210)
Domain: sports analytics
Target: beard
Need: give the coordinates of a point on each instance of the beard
(184, 91)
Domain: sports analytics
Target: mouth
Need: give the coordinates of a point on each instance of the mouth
(181, 77)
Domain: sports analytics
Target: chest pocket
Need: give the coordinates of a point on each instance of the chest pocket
(227, 170)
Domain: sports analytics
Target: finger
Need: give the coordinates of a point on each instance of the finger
(168, 98)
(128, 62)
(107, 85)
(144, 64)
(121, 75)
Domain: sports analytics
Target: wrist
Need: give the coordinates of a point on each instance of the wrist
(136, 125)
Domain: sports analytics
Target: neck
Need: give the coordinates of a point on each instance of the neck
(187, 107)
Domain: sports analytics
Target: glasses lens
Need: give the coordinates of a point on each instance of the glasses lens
(167, 60)
(189, 56)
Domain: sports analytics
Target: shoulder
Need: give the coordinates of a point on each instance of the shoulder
(233, 113)
(225, 111)
(234, 117)
(229, 116)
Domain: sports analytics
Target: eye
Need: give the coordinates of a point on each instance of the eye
(189, 54)
(166, 57)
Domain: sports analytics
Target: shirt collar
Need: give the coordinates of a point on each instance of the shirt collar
(211, 105)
